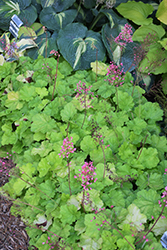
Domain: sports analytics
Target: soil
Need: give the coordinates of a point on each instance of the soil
(12, 229)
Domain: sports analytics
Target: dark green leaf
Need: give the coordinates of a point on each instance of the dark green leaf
(79, 46)
(56, 21)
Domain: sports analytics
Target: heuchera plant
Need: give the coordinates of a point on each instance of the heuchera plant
(97, 184)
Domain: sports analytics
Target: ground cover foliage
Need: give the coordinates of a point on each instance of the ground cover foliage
(90, 161)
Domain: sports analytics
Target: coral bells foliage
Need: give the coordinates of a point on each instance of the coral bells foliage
(67, 148)
(83, 94)
(115, 74)
(125, 36)
(87, 175)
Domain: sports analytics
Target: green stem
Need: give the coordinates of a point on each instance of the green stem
(96, 20)
(85, 111)
(142, 147)
(55, 77)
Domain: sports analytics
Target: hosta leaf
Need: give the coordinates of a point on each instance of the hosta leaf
(136, 11)
(28, 15)
(79, 46)
(56, 21)
(161, 13)
(42, 123)
(154, 64)
(127, 55)
(134, 217)
(58, 5)
(45, 43)
(155, 33)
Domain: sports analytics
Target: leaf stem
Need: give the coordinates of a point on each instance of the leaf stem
(58, 55)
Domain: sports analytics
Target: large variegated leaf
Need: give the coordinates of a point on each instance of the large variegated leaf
(126, 57)
(23, 8)
(45, 43)
(58, 5)
(79, 46)
(56, 21)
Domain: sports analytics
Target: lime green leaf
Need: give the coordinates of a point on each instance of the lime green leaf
(114, 199)
(149, 111)
(18, 186)
(13, 101)
(68, 112)
(123, 244)
(48, 188)
(106, 90)
(147, 202)
(43, 150)
(152, 31)
(99, 67)
(43, 167)
(160, 143)
(99, 171)
(87, 144)
(42, 123)
(123, 100)
(88, 243)
(32, 196)
(27, 32)
(93, 224)
(161, 13)
(149, 158)
(155, 181)
(109, 240)
(27, 93)
(160, 227)
(137, 125)
(29, 169)
(134, 217)
(79, 225)
(41, 92)
(163, 42)
(136, 11)
(126, 150)
(61, 230)
(69, 214)
(154, 61)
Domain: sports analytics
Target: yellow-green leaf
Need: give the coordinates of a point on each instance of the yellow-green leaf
(162, 12)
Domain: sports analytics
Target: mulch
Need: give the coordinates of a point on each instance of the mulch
(12, 229)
